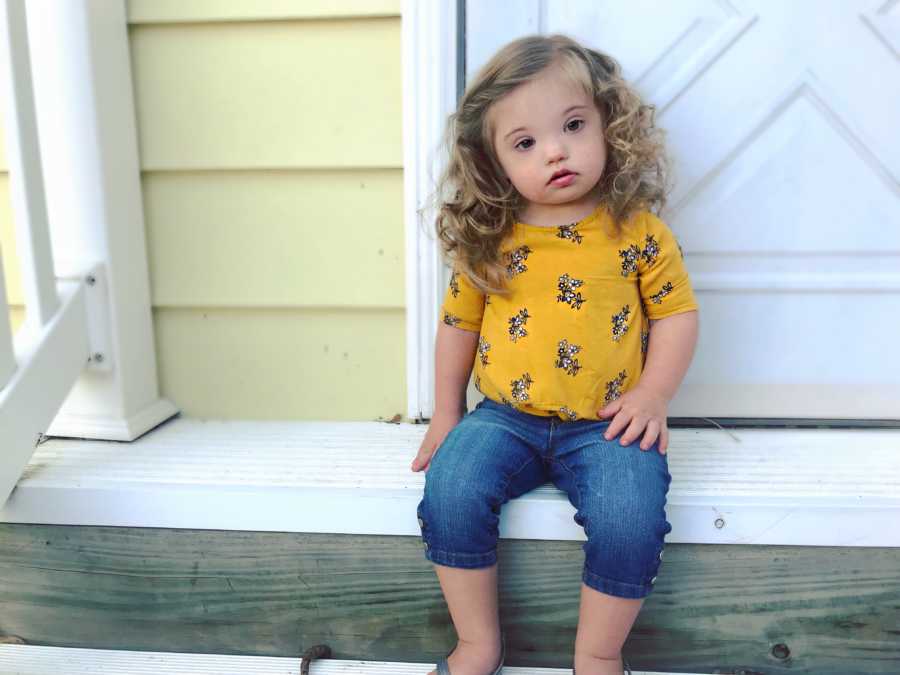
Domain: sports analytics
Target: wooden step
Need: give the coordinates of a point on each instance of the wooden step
(244, 537)
(797, 487)
(38, 660)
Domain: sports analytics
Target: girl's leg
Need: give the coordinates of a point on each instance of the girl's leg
(486, 460)
(471, 596)
(619, 493)
(604, 622)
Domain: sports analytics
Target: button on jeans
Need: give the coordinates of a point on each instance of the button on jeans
(497, 453)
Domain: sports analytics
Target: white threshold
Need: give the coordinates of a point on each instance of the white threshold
(37, 660)
(811, 487)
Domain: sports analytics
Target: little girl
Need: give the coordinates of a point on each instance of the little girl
(560, 272)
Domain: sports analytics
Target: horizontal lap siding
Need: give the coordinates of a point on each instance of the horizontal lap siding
(271, 165)
(290, 239)
(179, 11)
(12, 269)
(261, 364)
(286, 95)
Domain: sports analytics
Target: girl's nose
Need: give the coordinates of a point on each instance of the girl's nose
(556, 153)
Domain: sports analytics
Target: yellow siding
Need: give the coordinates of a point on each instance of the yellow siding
(283, 364)
(271, 156)
(3, 167)
(12, 269)
(16, 318)
(269, 95)
(158, 11)
(283, 239)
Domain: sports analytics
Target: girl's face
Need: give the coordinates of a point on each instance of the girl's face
(544, 126)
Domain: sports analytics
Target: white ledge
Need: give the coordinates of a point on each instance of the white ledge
(802, 487)
(38, 660)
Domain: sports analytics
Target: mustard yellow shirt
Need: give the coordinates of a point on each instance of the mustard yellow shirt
(573, 334)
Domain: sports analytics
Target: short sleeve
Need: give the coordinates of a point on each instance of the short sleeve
(663, 278)
(463, 305)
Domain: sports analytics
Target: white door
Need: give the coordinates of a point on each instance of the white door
(782, 120)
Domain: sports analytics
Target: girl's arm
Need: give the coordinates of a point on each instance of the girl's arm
(454, 355)
(671, 348)
(669, 352)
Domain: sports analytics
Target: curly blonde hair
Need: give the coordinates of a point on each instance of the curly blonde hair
(477, 207)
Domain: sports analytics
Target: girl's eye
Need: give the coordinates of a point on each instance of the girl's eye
(571, 125)
(522, 141)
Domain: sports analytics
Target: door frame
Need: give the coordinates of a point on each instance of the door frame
(433, 72)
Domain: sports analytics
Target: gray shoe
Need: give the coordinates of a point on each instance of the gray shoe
(624, 664)
(444, 669)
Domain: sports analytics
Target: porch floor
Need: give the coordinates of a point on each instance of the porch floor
(838, 487)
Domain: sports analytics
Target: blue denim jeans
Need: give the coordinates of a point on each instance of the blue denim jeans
(497, 453)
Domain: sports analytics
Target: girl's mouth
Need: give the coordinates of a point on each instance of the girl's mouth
(564, 179)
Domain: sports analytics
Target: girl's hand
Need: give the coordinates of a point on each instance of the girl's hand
(643, 408)
(438, 428)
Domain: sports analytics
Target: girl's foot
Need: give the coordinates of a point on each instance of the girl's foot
(473, 659)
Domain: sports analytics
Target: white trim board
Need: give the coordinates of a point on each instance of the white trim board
(429, 51)
(816, 487)
(40, 660)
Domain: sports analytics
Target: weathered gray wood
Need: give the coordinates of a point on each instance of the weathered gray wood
(715, 608)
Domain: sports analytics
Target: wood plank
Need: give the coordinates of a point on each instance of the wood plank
(719, 607)
(276, 239)
(12, 266)
(328, 238)
(266, 359)
(178, 11)
(16, 317)
(268, 95)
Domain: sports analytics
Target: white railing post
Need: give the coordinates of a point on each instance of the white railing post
(81, 69)
(37, 369)
(25, 178)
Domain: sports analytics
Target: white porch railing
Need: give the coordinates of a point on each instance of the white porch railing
(83, 365)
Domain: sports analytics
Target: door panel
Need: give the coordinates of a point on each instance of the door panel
(781, 118)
